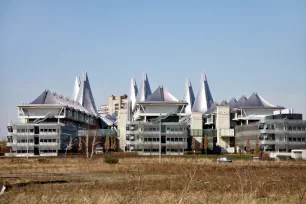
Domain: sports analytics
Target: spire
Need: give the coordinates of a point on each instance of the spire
(144, 90)
(188, 96)
(85, 97)
(76, 88)
(133, 92)
(204, 99)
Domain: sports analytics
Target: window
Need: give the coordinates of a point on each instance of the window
(293, 139)
(303, 139)
(290, 139)
(299, 139)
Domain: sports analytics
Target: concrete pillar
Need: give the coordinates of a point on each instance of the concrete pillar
(222, 122)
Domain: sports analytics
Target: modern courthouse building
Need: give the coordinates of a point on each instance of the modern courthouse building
(156, 122)
(50, 123)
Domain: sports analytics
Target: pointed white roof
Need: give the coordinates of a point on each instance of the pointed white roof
(76, 88)
(188, 96)
(204, 99)
(133, 92)
(144, 89)
(85, 97)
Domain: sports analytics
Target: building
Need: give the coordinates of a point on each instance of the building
(224, 117)
(50, 123)
(283, 131)
(188, 121)
(156, 122)
(115, 104)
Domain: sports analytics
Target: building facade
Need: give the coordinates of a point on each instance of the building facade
(274, 133)
(50, 123)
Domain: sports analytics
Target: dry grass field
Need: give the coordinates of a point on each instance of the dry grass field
(145, 180)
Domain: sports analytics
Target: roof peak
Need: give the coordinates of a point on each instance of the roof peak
(204, 98)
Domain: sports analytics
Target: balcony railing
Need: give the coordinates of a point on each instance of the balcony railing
(203, 132)
(99, 133)
(227, 132)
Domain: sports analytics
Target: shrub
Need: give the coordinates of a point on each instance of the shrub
(124, 154)
(111, 160)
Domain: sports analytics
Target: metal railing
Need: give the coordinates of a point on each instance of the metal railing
(203, 132)
(99, 132)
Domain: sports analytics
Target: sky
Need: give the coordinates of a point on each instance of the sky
(243, 47)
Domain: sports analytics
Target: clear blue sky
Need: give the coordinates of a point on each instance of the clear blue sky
(243, 46)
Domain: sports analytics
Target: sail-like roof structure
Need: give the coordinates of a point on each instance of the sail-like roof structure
(144, 89)
(133, 92)
(242, 102)
(85, 97)
(256, 100)
(161, 95)
(204, 98)
(189, 96)
(49, 98)
(232, 103)
(76, 88)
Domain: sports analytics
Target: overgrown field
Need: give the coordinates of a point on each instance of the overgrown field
(145, 180)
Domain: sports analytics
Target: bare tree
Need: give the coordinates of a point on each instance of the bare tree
(107, 144)
(80, 148)
(247, 145)
(205, 144)
(94, 143)
(69, 146)
(202, 145)
(257, 148)
(193, 145)
(87, 143)
(114, 143)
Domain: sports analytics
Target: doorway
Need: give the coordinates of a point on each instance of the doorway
(36, 151)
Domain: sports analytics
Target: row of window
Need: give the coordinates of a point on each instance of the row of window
(25, 141)
(151, 139)
(48, 151)
(32, 130)
(294, 128)
(177, 139)
(274, 126)
(168, 150)
(25, 130)
(41, 140)
(47, 140)
(296, 139)
(47, 130)
(168, 139)
(41, 151)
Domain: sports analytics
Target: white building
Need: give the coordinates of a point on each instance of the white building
(50, 123)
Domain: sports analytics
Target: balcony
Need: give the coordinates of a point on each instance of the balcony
(227, 132)
(203, 132)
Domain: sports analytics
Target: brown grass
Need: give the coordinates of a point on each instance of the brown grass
(145, 180)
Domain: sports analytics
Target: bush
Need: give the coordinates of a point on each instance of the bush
(124, 154)
(111, 160)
